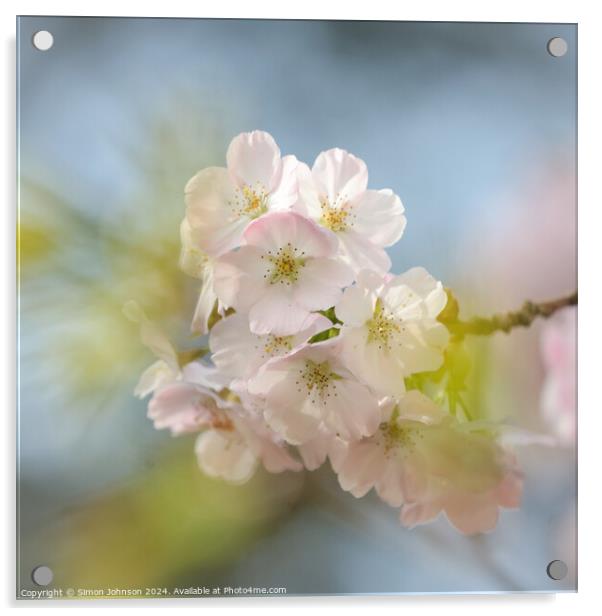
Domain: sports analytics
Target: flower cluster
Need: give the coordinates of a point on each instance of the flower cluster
(314, 344)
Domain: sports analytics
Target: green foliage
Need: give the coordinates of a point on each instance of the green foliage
(215, 316)
(331, 315)
(448, 384)
(332, 332)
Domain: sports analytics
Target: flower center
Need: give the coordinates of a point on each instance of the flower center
(382, 327)
(277, 345)
(318, 380)
(336, 217)
(286, 264)
(397, 436)
(221, 422)
(251, 201)
(209, 414)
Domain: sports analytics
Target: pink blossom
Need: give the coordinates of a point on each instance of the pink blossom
(220, 202)
(310, 389)
(390, 328)
(285, 272)
(335, 194)
(189, 401)
(239, 353)
(468, 512)
(232, 440)
(184, 407)
(426, 462)
(233, 450)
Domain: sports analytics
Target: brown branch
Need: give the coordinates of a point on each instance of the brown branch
(480, 326)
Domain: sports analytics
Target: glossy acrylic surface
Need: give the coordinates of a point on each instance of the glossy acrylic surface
(472, 125)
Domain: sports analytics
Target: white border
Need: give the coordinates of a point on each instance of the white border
(590, 205)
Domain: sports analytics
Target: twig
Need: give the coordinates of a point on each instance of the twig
(480, 326)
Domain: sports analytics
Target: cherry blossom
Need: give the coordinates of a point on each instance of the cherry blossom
(234, 450)
(285, 271)
(470, 510)
(335, 194)
(312, 341)
(232, 441)
(239, 353)
(309, 390)
(220, 202)
(390, 329)
(186, 406)
(422, 460)
(190, 402)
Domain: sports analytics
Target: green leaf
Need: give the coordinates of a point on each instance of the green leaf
(324, 335)
(331, 315)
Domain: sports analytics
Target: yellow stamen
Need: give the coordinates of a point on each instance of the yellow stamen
(286, 265)
(318, 380)
(277, 344)
(335, 218)
(404, 435)
(382, 327)
(250, 201)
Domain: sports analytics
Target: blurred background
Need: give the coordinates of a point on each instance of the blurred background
(473, 125)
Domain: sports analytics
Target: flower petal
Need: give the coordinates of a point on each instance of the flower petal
(284, 413)
(204, 306)
(472, 515)
(209, 377)
(279, 229)
(371, 365)
(278, 314)
(309, 198)
(254, 158)
(320, 283)
(353, 412)
(233, 345)
(421, 346)
(193, 261)
(286, 193)
(361, 469)
(181, 408)
(389, 486)
(361, 253)
(339, 175)
(314, 452)
(210, 197)
(379, 217)
(239, 278)
(413, 514)
(155, 376)
(356, 306)
(422, 286)
(225, 454)
(415, 406)
(275, 456)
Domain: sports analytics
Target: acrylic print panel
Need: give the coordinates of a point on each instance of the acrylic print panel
(297, 307)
